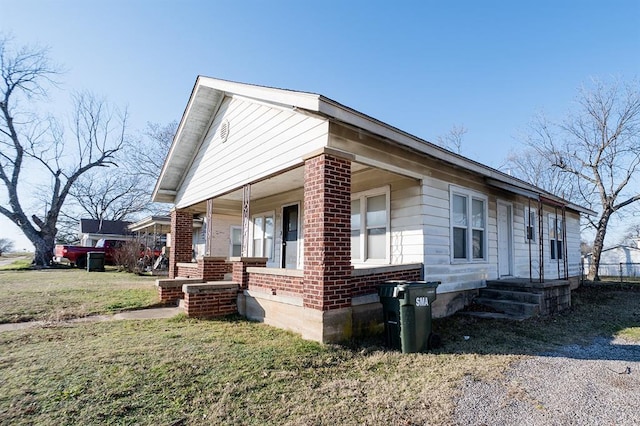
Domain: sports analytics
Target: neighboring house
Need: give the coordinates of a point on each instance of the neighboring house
(92, 230)
(155, 232)
(617, 261)
(329, 202)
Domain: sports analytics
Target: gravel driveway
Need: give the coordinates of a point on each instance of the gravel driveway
(597, 384)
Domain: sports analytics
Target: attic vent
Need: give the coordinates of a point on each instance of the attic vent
(224, 131)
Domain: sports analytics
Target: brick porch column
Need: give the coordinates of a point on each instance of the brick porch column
(327, 233)
(181, 239)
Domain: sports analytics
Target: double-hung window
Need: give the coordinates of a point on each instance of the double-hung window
(370, 226)
(555, 237)
(263, 230)
(530, 225)
(468, 226)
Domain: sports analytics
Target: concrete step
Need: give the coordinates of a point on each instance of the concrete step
(516, 296)
(512, 285)
(510, 306)
(494, 315)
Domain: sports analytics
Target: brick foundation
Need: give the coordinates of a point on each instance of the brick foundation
(210, 299)
(368, 284)
(327, 233)
(276, 284)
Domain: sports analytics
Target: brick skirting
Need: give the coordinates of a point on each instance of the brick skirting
(368, 284)
(209, 300)
(283, 285)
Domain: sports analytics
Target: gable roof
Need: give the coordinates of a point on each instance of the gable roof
(111, 227)
(208, 94)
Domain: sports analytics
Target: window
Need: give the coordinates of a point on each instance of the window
(555, 237)
(468, 225)
(370, 226)
(530, 225)
(263, 236)
(235, 250)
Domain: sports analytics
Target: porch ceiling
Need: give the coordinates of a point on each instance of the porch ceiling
(231, 203)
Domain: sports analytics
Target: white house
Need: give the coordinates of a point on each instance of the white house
(621, 260)
(329, 202)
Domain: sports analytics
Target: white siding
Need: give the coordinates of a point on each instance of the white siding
(437, 242)
(406, 217)
(525, 252)
(406, 234)
(262, 140)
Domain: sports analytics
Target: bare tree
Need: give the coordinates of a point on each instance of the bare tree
(37, 145)
(529, 166)
(146, 158)
(453, 139)
(6, 245)
(114, 195)
(122, 193)
(598, 148)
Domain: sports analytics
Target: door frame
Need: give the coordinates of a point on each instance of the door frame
(282, 240)
(509, 238)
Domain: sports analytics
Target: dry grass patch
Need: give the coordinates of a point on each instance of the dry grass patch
(57, 294)
(188, 372)
(220, 372)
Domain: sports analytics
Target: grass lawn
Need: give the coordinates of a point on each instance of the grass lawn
(55, 294)
(231, 371)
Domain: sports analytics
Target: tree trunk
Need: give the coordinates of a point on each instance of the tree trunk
(44, 251)
(43, 240)
(598, 245)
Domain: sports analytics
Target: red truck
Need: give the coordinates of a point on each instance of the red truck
(77, 255)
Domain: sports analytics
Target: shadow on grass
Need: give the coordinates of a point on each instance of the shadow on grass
(587, 330)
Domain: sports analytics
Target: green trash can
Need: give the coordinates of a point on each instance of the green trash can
(406, 310)
(95, 261)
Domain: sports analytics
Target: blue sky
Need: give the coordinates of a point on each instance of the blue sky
(420, 66)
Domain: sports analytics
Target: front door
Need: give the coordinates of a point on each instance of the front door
(290, 237)
(505, 240)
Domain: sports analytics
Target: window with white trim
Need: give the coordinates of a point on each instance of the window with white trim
(555, 237)
(235, 245)
(263, 230)
(370, 226)
(468, 226)
(530, 226)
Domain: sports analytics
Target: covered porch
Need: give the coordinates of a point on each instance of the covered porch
(290, 259)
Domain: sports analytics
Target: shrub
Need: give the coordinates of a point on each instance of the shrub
(128, 256)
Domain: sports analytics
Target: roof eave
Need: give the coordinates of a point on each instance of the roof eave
(350, 116)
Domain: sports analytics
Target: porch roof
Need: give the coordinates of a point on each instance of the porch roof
(208, 94)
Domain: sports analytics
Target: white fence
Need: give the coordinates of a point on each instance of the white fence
(620, 270)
